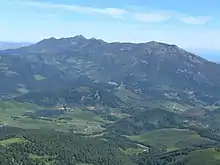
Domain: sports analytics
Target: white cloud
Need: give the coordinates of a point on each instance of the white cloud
(119, 13)
(151, 17)
(113, 12)
(200, 20)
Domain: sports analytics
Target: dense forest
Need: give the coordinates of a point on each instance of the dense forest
(35, 147)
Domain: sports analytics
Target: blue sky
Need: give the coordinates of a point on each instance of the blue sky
(191, 24)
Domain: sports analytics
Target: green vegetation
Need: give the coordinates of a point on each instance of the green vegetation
(10, 141)
(84, 115)
(50, 147)
(125, 94)
(10, 111)
(133, 100)
(39, 77)
(77, 120)
(145, 121)
(22, 90)
(213, 107)
(17, 107)
(175, 106)
(205, 156)
(133, 151)
(171, 139)
(47, 160)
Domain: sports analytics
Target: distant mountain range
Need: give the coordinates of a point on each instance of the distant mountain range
(12, 45)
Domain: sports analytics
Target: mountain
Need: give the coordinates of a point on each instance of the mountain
(152, 70)
(86, 101)
(12, 45)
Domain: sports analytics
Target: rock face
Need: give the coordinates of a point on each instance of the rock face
(153, 70)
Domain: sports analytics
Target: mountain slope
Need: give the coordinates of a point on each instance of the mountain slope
(19, 76)
(82, 91)
(46, 85)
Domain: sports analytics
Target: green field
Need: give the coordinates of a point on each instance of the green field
(43, 159)
(204, 157)
(80, 114)
(13, 108)
(10, 109)
(10, 141)
(81, 121)
(39, 77)
(78, 124)
(125, 94)
(213, 107)
(133, 99)
(133, 151)
(171, 139)
(174, 106)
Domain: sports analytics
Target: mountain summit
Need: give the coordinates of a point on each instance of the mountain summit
(53, 45)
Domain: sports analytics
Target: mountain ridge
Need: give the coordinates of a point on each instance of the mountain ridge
(81, 37)
(80, 40)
